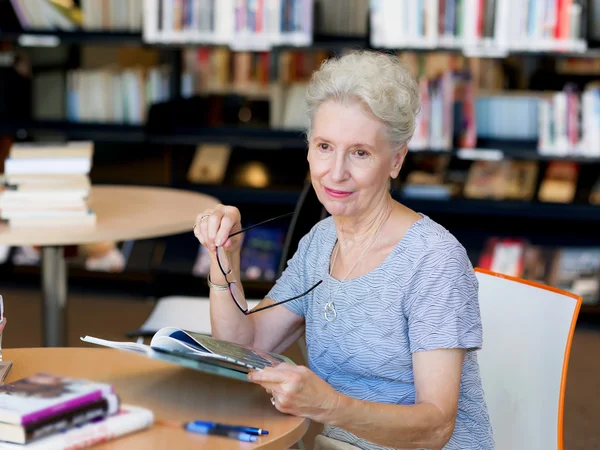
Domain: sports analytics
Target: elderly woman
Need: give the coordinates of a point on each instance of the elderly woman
(392, 327)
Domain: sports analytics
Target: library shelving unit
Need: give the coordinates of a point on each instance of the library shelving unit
(53, 38)
(471, 220)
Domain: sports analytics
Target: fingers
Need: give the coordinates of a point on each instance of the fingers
(222, 234)
(213, 226)
(281, 373)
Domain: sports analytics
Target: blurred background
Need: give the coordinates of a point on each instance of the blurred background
(207, 96)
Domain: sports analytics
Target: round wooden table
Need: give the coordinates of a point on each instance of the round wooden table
(173, 393)
(123, 213)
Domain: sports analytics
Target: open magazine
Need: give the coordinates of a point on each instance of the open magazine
(199, 352)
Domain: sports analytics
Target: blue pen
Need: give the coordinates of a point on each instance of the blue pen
(249, 430)
(201, 429)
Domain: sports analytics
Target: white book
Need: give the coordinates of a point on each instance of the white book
(128, 420)
(23, 180)
(590, 104)
(561, 140)
(75, 149)
(87, 220)
(431, 22)
(545, 141)
(150, 20)
(47, 166)
(44, 199)
(11, 214)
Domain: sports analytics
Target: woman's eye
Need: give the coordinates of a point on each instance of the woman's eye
(361, 153)
(324, 146)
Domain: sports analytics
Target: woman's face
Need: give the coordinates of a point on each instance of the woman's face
(350, 158)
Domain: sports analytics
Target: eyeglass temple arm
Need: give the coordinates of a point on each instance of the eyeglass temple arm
(260, 223)
(285, 301)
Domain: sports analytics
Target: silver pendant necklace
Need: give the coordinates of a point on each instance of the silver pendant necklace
(329, 310)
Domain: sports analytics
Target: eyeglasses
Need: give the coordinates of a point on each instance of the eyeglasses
(234, 288)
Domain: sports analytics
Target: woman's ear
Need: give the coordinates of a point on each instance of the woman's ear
(398, 160)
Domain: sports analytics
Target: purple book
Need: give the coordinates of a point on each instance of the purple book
(44, 395)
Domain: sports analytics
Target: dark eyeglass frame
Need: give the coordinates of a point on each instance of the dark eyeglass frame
(225, 273)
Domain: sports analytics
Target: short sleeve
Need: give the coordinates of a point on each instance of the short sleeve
(295, 279)
(443, 312)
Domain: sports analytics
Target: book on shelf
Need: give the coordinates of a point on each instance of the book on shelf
(559, 183)
(577, 270)
(67, 15)
(569, 123)
(501, 180)
(572, 269)
(240, 24)
(127, 420)
(427, 177)
(199, 352)
(503, 255)
(341, 17)
(115, 95)
(594, 198)
(209, 164)
(480, 28)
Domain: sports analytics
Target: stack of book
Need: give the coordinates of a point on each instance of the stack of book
(46, 411)
(47, 185)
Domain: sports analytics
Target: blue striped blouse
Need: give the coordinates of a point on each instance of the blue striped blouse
(423, 296)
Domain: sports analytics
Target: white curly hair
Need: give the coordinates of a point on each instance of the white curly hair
(380, 81)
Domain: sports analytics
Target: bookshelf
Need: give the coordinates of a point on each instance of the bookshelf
(52, 38)
(178, 138)
(75, 130)
(261, 138)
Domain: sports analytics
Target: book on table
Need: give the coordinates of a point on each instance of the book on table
(199, 352)
(43, 404)
(128, 419)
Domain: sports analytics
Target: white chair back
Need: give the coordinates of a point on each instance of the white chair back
(188, 313)
(527, 334)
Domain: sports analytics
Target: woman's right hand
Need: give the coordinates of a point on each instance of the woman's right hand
(213, 227)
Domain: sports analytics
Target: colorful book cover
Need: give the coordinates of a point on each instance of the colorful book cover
(44, 395)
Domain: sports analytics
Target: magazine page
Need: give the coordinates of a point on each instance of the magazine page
(183, 343)
(127, 346)
(173, 351)
(237, 352)
(203, 344)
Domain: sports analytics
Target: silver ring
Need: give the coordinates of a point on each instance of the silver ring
(273, 401)
(203, 216)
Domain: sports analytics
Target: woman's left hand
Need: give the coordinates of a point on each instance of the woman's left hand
(298, 391)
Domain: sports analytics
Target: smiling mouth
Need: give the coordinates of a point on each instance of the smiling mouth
(336, 193)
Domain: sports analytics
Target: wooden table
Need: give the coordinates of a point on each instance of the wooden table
(173, 393)
(123, 213)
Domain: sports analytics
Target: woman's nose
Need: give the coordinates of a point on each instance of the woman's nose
(338, 167)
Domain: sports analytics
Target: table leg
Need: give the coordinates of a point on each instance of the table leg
(54, 286)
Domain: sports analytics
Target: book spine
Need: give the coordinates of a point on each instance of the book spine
(78, 402)
(127, 420)
(102, 408)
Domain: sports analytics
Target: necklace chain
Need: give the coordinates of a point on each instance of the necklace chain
(330, 307)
